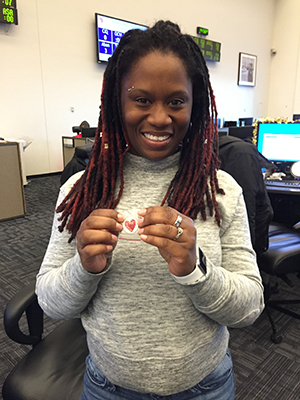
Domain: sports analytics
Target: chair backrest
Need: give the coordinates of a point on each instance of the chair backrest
(241, 160)
(55, 366)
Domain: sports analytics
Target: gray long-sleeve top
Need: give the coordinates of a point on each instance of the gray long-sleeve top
(145, 331)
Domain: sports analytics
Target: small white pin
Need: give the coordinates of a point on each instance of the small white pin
(130, 226)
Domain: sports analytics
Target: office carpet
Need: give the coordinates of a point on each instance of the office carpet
(263, 370)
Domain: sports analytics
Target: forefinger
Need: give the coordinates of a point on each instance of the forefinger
(158, 215)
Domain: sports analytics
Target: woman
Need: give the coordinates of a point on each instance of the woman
(156, 304)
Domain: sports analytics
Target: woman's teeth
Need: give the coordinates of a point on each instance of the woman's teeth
(156, 138)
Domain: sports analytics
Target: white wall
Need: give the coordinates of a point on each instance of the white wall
(284, 95)
(48, 63)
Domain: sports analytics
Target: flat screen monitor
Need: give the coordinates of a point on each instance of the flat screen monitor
(245, 121)
(229, 123)
(279, 142)
(296, 117)
(109, 31)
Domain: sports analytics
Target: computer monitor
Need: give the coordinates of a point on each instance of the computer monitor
(109, 31)
(245, 121)
(242, 132)
(279, 143)
(88, 132)
(229, 123)
(296, 117)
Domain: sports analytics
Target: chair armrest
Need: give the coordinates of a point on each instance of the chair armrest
(25, 301)
(297, 226)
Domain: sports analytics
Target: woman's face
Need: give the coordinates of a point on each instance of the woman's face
(156, 98)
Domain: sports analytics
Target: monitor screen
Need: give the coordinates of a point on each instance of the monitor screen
(109, 31)
(296, 117)
(279, 142)
(245, 121)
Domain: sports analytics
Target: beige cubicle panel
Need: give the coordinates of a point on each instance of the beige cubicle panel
(68, 146)
(12, 200)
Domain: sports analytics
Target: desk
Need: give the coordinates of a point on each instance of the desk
(23, 144)
(12, 200)
(285, 199)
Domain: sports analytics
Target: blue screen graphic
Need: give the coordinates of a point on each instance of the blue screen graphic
(109, 33)
(279, 142)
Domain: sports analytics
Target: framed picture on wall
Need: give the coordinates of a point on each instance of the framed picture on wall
(247, 69)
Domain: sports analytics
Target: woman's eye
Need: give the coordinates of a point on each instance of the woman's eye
(176, 102)
(142, 100)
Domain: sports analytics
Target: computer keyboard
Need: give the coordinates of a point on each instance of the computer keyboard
(283, 183)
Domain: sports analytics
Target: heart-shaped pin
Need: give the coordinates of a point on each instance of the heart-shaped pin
(130, 224)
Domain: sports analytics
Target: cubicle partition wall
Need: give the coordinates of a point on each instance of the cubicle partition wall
(12, 200)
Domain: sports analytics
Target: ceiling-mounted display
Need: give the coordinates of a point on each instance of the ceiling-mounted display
(8, 12)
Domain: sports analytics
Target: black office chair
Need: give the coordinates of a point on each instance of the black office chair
(78, 162)
(281, 259)
(53, 369)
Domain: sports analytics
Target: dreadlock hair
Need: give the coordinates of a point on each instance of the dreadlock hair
(194, 187)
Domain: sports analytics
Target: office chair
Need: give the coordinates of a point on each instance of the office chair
(281, 259)
(53, 369)
(78, 162)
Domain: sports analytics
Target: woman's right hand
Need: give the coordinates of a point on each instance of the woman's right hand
(97, 237)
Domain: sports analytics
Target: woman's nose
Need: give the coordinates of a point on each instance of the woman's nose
(159, 115)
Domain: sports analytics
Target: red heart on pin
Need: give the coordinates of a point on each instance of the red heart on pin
(130, 225)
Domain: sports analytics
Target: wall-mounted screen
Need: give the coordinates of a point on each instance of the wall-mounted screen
(109, 31)
(279, 142)
(8, 12)
(211, 50)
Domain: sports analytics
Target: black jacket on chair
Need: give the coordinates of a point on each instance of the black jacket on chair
(243, 162)
(78, 162)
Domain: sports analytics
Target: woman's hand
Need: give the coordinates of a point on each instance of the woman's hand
(178, 249)
(97, 237)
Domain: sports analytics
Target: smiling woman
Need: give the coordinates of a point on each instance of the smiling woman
(157, 99)
(162, 262)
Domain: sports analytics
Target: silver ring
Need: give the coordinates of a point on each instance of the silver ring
(179, 233)
(178, 221)
(80, 242)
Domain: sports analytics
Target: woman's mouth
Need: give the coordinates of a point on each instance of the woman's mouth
(156, 138)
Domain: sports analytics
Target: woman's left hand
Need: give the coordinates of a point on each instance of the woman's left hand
(176, 244)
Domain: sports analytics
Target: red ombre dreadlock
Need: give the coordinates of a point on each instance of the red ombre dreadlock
(193, 189)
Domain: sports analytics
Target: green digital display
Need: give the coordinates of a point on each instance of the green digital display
(8, 15)
(202, 31)
(211, 50)
(8, 3)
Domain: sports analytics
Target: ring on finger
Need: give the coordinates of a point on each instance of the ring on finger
(179, 233)
(80, 242)
(178, 221)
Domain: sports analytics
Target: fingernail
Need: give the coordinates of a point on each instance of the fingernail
(140, 231)
(142, 212)
(119, 226)
(143, 237)
(114, 237)
(120, 216)
(140, 220)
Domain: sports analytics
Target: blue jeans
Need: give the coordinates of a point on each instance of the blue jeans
(218, 385)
